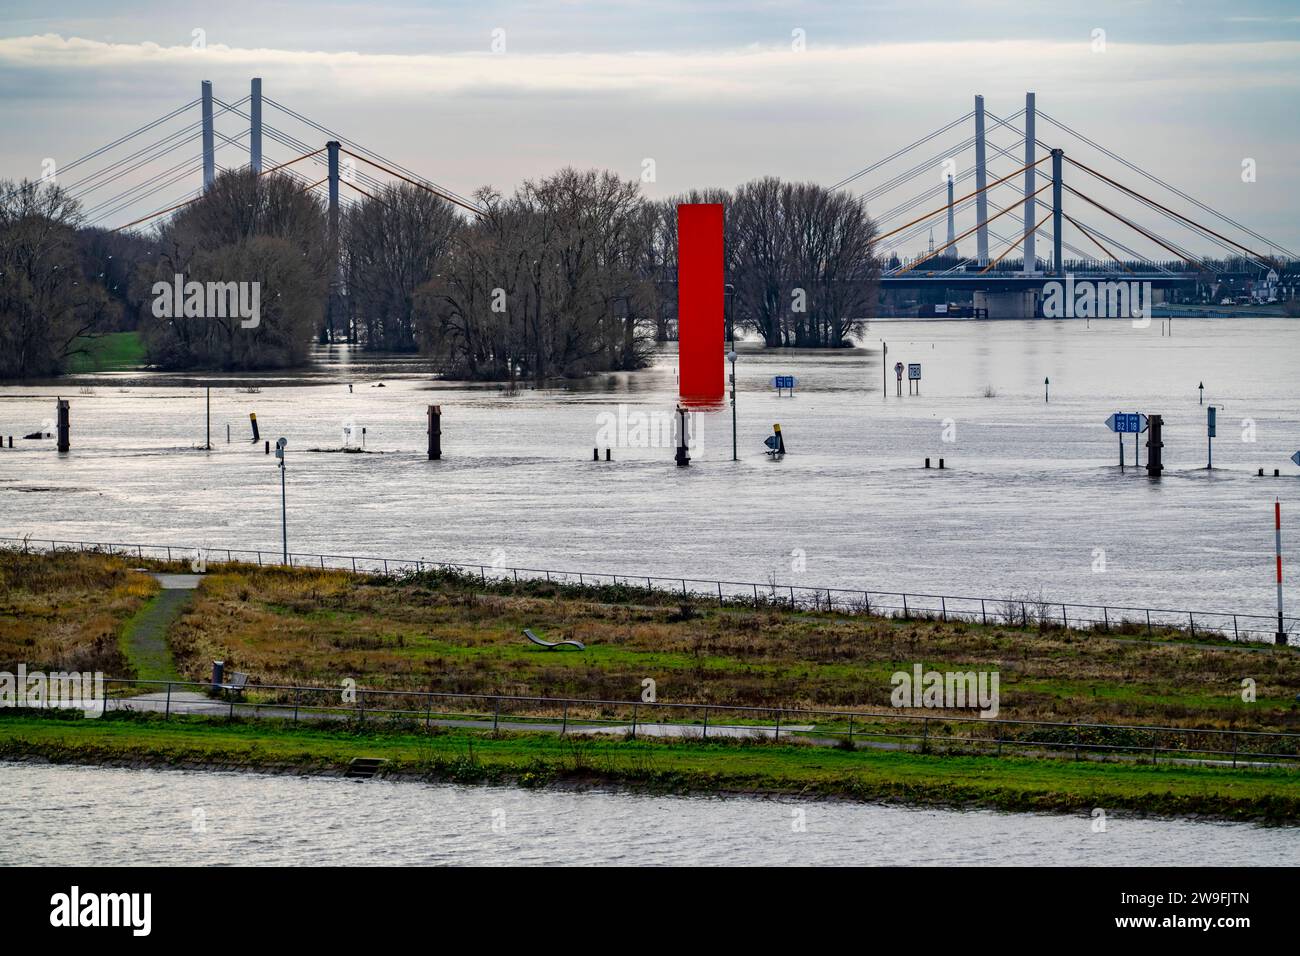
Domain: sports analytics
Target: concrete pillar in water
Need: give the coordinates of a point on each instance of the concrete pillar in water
(63, 425)
(1154, 444)
(435, 432)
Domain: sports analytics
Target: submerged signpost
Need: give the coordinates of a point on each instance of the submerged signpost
(1125, 423)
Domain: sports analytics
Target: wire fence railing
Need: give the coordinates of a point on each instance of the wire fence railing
(1008, 610)
(937, 732)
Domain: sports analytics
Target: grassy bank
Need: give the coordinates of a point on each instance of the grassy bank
(455, 635)
(662, 766)
(68, 611)
(114, 352)
(442, 633)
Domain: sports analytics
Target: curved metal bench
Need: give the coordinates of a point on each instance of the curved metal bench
(552, 645)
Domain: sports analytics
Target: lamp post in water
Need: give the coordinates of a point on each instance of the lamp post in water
(731, 357)
(280, 444)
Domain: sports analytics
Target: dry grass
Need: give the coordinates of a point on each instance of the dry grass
(66, 611)
(433, 634)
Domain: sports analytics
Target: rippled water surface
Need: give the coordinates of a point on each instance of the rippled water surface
(1030, 497)
(65, 815)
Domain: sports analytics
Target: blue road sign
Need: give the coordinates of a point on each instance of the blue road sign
(1127, 423)
(771, 441)
(1296, 458)
(914, 371)
(784, 381)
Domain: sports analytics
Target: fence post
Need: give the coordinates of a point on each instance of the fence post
(231, 714)
(866, 599)
(1155, 737)
(1065, 618)
(719, 594)
(1234, 749)
(850, 730)
(1234, 628)
(777, 735)
(564, 725)
(904, 607)
(984, 615)
(1076, 741)
(925, 734)
(1105, 618)
(706, 722)
(361, 705)
(943, 609)
(1148, 624)
(1024, 615)
(1191, 619)
(297, 695)
(634, 707)
(496, 713)
(168, 711)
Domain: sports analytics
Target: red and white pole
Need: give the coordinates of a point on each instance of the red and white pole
(1277, 535)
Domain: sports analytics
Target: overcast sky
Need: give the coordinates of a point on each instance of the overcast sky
(714, 93)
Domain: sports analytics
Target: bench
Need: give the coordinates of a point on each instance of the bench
(552, 645)
(237, 682)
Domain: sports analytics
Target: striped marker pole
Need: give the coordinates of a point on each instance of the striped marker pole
(1277, 535)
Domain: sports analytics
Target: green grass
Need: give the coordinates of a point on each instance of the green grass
(1009, 783)
(114, 352)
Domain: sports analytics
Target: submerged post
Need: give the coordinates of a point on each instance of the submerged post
(1154, 444)
(435, 432)
(63, 426)
(1277, 537)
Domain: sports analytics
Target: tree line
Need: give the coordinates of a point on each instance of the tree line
(571, 274)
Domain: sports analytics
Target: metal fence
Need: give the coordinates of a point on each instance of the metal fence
(566, 716)
(1010, 610)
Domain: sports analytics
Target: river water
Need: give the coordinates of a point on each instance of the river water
(1031, 500)
(71, 815)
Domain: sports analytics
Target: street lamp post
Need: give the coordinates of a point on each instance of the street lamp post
(731, 357)
(730, 291)
(280, 444)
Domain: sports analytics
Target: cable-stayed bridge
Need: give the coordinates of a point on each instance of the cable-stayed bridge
(1030, 209)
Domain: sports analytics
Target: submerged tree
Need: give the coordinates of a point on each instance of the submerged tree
(48, 308)
(551, 281)
(261, 230)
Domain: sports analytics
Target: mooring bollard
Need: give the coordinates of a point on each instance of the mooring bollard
(927, 463)
(435, 432)
(63, 426)
(607, 458)
(941, 464)
(252, 417)
(267, 450)
(595, 454)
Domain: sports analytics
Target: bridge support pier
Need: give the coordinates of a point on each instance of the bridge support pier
(1022, 304)
(255, 126)
(1057, 265)
(209, 148)
(331, 306)
(981, 184)
(1031, 186)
